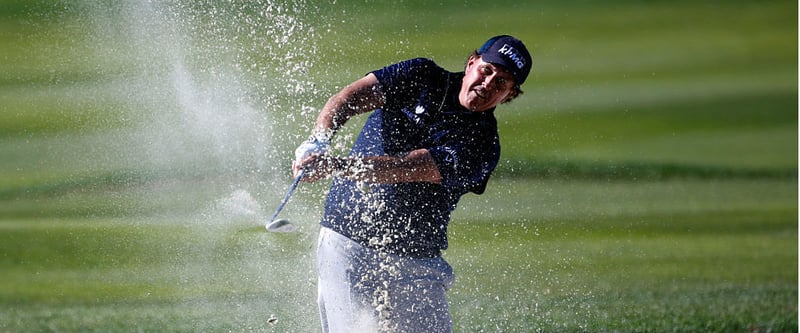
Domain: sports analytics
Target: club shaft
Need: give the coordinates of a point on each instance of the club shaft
(288, 194)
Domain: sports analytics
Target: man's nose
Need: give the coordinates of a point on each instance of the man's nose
(491, 81)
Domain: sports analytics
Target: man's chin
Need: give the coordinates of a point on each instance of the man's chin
(478, 108)
(477, 104)
(474, 103)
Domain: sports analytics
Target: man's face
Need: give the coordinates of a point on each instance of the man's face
(485, 85)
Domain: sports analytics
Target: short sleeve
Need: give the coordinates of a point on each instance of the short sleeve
(404, 79)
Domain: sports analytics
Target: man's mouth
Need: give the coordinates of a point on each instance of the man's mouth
(480, 92)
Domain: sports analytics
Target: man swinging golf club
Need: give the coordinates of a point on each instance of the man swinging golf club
(431, 137)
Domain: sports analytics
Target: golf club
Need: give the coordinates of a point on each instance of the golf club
(283, 225)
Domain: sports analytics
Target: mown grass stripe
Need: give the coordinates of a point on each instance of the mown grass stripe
(634, 171)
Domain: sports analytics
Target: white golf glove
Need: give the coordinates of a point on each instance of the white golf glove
(318, 143)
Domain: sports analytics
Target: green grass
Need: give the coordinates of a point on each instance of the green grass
(657, 256)
(171, 274)
(648, 181)
(548, 255)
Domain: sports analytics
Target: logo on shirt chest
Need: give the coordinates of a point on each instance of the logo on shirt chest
(416, 114)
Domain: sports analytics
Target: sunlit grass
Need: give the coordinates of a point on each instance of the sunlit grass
(648, 181)
(549, 255)
(645, 256)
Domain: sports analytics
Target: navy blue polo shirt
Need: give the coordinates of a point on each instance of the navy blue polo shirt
(421, 111)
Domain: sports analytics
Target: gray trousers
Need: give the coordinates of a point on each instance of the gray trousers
(364, 290)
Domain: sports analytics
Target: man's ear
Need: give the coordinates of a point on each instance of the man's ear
(472, 60)
(513, 94)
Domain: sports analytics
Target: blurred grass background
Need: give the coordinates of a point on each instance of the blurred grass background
(648, 180)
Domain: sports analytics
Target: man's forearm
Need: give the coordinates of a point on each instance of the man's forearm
(416, 166)
(361, 96)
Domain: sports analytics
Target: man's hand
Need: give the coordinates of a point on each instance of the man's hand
(317, 167)
(317, 144)
(308, 154)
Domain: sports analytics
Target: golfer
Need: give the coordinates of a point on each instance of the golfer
(431, 137)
